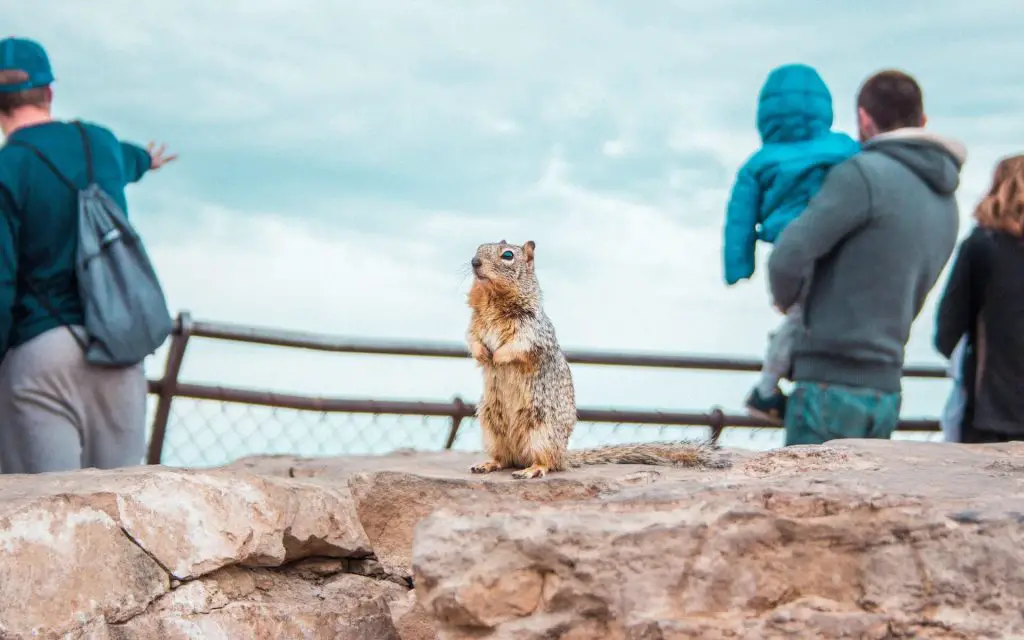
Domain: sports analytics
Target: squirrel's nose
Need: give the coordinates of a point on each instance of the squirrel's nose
(476, 262)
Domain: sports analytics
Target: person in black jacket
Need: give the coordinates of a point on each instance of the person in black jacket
(984, 301)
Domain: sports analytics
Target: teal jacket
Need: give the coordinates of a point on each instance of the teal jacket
(39, 226)
(794, 118)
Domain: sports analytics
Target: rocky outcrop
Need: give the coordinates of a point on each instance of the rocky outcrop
(160, 553)
(853, 540)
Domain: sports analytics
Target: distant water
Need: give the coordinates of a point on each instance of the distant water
(205, 433)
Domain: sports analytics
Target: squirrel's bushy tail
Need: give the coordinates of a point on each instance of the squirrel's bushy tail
(681, 453)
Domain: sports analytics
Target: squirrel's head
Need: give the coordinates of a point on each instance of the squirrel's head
(505, 268)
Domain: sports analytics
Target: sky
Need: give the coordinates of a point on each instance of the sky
(341, 160)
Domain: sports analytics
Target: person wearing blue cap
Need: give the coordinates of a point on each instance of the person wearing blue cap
(57, 410)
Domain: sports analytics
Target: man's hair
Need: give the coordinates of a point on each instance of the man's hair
(893, 100)
(1002, 208)
(11, 100)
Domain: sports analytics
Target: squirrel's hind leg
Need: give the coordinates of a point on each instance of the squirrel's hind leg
(546, 455)
(533, 471)
(491, 416)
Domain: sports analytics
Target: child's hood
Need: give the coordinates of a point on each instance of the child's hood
(794, 105)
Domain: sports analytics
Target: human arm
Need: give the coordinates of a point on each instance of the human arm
(740, 227)
(138, 160)
(9, 228)
(962, 298)
(840, 207)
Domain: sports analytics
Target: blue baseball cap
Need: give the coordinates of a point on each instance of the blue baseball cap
(20, 54)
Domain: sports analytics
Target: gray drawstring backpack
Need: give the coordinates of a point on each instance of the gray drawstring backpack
(126, 315)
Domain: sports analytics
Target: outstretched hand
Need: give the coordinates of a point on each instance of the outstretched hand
(158, 156)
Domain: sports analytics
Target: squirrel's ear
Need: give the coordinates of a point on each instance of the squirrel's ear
(528, 249)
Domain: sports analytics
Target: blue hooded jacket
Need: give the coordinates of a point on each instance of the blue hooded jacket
(794, 118)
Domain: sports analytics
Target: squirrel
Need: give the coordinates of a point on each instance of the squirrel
(528, 408)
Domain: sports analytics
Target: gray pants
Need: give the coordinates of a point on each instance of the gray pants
(58, 412)
(779, 358)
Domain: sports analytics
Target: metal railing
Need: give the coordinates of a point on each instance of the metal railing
(169, 387)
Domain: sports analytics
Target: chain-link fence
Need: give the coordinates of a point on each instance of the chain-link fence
(208, 433)
(196, 425)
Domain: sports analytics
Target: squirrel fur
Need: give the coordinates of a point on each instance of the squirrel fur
(528, 409)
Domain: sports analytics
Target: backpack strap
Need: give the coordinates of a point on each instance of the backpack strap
(39, 154)
(53, 312)
(71, 185)
(89, 174)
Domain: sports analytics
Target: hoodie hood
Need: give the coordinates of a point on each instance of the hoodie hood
(794, 105)
(935, 159)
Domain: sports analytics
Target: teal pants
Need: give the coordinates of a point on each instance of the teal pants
(818, 412)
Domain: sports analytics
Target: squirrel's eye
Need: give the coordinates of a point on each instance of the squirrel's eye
(507, 255)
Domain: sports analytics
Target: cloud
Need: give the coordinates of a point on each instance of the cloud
(341, 160)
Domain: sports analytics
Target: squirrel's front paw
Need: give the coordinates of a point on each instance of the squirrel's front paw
(480, 353)
(486, 467)
(505, 355)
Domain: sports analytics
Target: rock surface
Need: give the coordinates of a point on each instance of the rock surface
(152, 552)
(857, 539)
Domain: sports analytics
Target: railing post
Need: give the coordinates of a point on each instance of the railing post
(457, 414)
(168, 387)
(716, 420)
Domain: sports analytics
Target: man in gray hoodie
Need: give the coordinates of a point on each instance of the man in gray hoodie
(861, 259)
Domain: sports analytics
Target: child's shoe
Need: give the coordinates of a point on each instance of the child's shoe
(771, 408)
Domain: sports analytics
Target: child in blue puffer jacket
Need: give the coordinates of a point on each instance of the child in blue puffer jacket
(794, 118)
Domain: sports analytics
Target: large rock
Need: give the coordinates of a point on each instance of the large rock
(852, 540)
(193, 524)
(97, 554)
(859, 539)
(69, 563)
(390, 504)
(257, 549)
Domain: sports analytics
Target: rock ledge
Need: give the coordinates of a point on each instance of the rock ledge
(859, 539)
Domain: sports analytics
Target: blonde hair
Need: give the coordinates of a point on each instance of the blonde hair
(1002, 209)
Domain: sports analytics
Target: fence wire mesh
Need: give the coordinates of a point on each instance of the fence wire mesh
(204, 433)
(241, 422)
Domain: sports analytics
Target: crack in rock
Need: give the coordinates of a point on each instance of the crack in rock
(150, 555)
